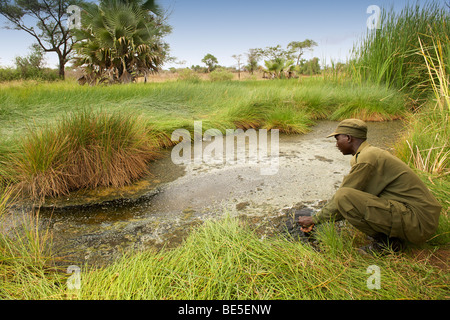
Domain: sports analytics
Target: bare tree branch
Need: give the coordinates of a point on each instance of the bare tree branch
(46, 24)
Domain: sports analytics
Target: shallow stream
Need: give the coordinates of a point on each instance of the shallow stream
(94, 227)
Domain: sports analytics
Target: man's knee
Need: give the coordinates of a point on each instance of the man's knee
(352, 205)
(347, 199)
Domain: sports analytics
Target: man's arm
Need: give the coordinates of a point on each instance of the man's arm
(327, 213)
(358, 178)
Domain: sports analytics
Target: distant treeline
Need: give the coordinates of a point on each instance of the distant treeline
(46, 74)
(30, 67)
(305, 67)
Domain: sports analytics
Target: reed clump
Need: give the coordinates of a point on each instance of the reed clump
(27, 263)
(427, 146)
(388, 55)
(83, 150)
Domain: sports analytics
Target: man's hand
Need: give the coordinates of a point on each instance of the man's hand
(306, 223)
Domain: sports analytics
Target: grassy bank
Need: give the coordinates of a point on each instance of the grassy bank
(426, 146)
(61, 136)
(222, 259)
(171, 104)
(226, 259)
(26, 261)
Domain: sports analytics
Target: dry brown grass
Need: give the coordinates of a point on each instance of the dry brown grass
(165, 76)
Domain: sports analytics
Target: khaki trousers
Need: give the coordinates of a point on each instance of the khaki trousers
(372, 215)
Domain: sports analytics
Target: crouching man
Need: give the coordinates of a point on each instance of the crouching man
(381, 196)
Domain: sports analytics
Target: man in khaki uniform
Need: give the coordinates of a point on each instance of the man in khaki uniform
(381, 196)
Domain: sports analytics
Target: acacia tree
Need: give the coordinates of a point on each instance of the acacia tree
(32, 62)
(253, 57)
(210, 62)
(120, 40)
(46, 21)
(301, 46)
(238, 58)
(274, 53)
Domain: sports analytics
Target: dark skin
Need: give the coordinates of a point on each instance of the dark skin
(347, 145)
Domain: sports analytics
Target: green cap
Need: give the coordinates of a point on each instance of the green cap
(352, 127)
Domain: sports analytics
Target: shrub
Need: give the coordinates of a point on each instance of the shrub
(10, 74)
(189, 75)
(221, 75)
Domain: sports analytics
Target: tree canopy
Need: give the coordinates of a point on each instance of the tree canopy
(120, 40)
(301, 46)
(45, 21)
(210, 61)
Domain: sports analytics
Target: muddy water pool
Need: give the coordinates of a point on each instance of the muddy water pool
(95, 227)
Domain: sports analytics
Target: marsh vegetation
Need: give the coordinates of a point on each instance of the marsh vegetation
(58, 137)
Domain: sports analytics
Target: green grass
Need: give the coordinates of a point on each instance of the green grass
(425, 146)
(225, 259)
(61, 136)
(23, 104)
(221, 259)
(390, 55)
(26, 262)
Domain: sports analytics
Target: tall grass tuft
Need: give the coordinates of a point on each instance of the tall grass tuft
(437, 61)
(5, 154)
(289, 120)
(84, 150)
(389, 55)
(27, 264)
(427, 146)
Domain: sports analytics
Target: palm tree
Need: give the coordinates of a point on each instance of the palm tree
(279, 67)
(119, 40)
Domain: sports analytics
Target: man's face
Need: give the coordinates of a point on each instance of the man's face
(343, 144)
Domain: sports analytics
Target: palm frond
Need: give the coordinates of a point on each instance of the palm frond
(120, 38)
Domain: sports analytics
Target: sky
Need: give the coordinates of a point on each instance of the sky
(232, 27)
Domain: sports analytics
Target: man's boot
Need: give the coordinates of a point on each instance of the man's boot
(382, 245)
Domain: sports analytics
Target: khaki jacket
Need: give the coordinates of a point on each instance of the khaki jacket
(379, 173)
